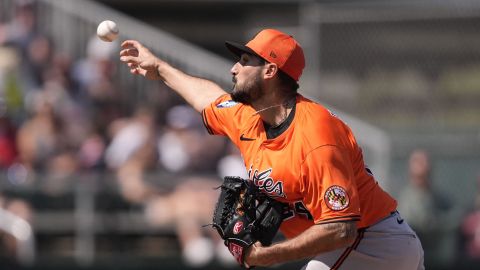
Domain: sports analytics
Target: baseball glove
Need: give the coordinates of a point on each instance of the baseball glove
(244, 215)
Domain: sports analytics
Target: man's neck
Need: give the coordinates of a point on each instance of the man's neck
(275, 111)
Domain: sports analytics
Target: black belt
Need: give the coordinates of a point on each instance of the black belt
(389, 215)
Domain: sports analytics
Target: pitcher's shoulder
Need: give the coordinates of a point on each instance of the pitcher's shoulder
(314, 110)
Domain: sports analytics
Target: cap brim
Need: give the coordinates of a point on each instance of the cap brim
(237, 48)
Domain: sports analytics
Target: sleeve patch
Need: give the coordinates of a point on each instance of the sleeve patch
(336, 198)
(227, 104)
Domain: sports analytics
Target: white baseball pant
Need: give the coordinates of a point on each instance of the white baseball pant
(389, 244)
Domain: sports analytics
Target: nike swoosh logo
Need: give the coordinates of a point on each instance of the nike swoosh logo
(399, 220)
(245, 138)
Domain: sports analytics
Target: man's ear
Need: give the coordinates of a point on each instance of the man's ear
(271, 69)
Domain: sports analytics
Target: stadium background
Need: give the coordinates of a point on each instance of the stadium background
(404, 75)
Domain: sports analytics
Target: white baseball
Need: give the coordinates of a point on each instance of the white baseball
(107, 31)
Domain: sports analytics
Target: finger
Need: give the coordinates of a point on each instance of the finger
(134, 71)
(129, 52)
(128, 59)
(138, 71)
(131, 43)
(141, 71)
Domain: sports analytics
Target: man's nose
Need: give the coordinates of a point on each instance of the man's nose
(234, 69)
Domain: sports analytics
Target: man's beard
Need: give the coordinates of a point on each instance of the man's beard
(250, 91)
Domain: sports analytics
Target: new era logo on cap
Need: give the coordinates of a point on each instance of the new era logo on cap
(275, 47)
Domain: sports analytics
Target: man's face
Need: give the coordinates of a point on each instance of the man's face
(247, 79)
(419, 168)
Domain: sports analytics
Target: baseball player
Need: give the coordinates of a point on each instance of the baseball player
(298, 152)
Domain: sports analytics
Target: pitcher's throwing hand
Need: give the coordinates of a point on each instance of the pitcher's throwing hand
(139, 59)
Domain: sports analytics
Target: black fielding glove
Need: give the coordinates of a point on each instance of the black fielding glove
(244, 215)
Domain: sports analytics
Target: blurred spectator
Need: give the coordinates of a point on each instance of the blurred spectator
(39, 137)
(21, 209)
(57, 87)
(175, 202)
(178, 145)
(17, 37)
(95, 88)
(427, 211)
(92, 151)
(470, 228)
(35, 48)
(93, 74)
(43, 145)
(231, 164)
(187, 208)
(67, 120)
(38, 58)
(131, 152)
(11, 96)
(8, 149)
(21, 28)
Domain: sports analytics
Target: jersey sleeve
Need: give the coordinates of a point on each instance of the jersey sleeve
(223, 117)
(330, 193)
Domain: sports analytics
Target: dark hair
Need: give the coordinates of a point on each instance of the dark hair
(288, 81)
(290, 84)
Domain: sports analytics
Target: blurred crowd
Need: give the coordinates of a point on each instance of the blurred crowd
(450, 234)
(61, 117)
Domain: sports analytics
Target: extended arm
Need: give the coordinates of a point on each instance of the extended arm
(315, 240)
(196, 91)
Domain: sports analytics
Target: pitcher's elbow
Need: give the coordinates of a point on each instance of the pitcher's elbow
(349, 233)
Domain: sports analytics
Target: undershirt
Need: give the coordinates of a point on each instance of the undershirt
(273, 132)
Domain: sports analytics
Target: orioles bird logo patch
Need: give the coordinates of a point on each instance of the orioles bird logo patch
(336, 198)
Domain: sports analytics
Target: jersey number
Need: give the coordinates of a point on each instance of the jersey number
(298, 208)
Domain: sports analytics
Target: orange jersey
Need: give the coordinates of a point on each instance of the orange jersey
(315, 165)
